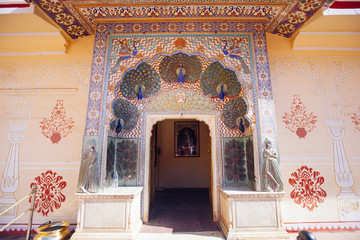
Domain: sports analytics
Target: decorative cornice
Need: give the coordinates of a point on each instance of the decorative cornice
(118, 193)
(326, 48)
(78, 17)
(239, 194)
(31, 53)
(23, 34)
(329, 33)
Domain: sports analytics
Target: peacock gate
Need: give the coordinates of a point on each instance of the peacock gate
(171, 79)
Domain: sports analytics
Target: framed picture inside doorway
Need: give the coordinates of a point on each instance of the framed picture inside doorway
(187, 139)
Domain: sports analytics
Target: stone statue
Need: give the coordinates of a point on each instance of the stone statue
(88, 176)
(271, 169)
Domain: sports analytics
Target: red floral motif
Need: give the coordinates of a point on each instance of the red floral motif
(48, 195)
(356, 120)
(298, 121)
(307, 187)
(57, 127)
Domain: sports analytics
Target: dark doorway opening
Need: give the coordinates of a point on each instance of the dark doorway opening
(180, 200)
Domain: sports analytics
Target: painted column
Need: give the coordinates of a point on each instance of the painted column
(18, 123)
(23, 89)
(348, 201)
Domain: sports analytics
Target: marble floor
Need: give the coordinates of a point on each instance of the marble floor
(176, 216)
(216, 235)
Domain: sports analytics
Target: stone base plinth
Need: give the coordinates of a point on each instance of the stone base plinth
(110, 215)
(251, 215)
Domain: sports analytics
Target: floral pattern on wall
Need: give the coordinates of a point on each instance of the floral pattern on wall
(57, 126)
(48, 196)
(298, 120)
(356, 120)
(307, 188)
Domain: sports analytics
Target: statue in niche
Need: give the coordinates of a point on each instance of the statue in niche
(271, 169)
(88, 180)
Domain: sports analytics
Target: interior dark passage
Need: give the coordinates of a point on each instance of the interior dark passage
(180, 198)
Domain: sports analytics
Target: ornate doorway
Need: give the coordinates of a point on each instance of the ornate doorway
(210, 121)
(180, 196)
(221, 79)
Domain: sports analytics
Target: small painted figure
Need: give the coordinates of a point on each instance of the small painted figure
(186, 142)
(271, 169)
(88, 176)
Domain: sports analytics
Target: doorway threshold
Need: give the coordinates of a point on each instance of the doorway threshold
(180, 210)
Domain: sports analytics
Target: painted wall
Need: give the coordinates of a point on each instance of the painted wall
(318, 79)
(177, 172)
(42, 120)
(317, 111)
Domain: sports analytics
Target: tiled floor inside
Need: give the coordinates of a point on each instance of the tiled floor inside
(180, 210)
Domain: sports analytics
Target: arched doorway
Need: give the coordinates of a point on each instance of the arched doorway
(180, 196)
(209, 119)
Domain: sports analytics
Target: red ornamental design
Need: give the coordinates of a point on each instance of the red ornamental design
(307, 188)
(48, 195)
(356, 120)
(57, 127)
(298, 121)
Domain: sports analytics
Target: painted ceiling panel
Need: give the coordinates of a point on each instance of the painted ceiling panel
(79, 17)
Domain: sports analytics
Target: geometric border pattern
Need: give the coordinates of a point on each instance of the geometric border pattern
(322, 226)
